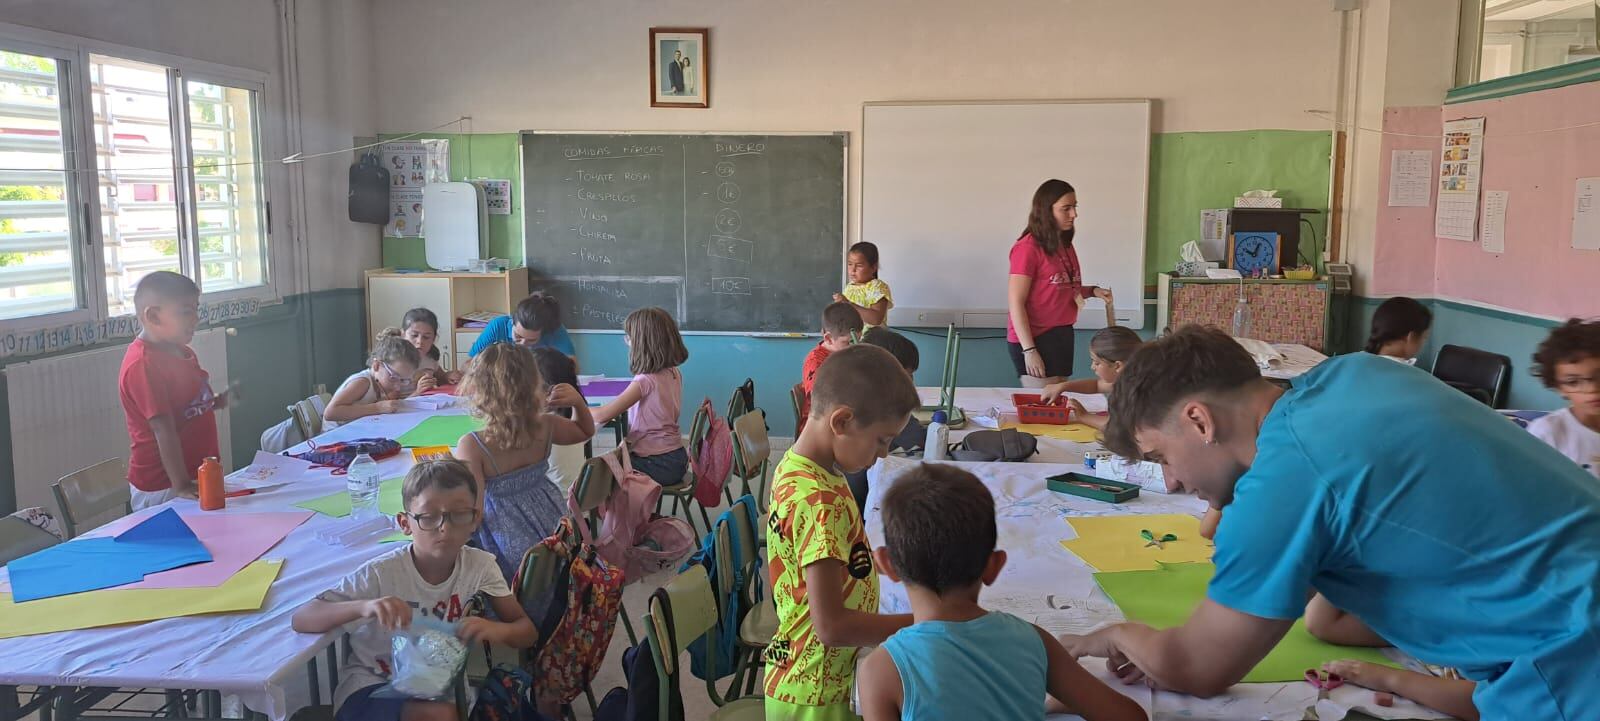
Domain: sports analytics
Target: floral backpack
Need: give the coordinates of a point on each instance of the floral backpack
(577, 625)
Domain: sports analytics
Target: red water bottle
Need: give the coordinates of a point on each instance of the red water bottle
(212, 497)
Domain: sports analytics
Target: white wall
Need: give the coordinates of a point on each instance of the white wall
(336, 100)
(785, 65)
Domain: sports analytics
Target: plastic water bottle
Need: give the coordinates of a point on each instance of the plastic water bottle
(1241, 319)
(361, 480)
(933, 448)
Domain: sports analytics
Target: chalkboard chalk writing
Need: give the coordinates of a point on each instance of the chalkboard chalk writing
(723, 246)
(606, 196)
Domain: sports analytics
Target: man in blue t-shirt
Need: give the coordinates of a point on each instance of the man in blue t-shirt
(1459, 538)
(534, 323)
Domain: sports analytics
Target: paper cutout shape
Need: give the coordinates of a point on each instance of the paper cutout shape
(234, 540)
(244, 592)
(1165, 597)
(439, 431)
(396, 537)
(160, 542)
(1074, 432)
(337, 504)
(1112, 543)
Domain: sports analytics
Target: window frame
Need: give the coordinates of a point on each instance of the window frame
(1470, 30)
(83, 189)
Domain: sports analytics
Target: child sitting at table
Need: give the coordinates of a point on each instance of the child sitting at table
(510, 458)
(1568, 362)
(380, 387)
(1109, 349)
(654, 398)
(566, 461)
(841, 325)
(1399, 330)
(434, 575)
(959, 661)
(421, 328)
(824, 586)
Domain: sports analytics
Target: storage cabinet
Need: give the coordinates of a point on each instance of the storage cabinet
(1281, 311)
(449, 295)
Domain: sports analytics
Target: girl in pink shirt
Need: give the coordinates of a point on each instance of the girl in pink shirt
(654, 398)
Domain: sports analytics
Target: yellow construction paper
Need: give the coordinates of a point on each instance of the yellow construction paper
(244, 592)
(1112, 543)
(1075, 432)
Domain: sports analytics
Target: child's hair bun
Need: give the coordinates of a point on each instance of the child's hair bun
(390, 332)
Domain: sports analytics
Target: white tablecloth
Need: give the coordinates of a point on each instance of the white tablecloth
(1047, 585)
(251, 655)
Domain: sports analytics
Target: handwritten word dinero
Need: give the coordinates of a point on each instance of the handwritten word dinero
(741, 147)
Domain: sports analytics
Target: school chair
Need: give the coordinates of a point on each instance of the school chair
(20, 538)
(1478, 373)
(307, 415)
(742, 401)
(797, 398)
(594, 486)
(536, 577)
(681, 612)
(682, 493)
(325, 712)
(89, 493)
(752, 453)
(761, 621)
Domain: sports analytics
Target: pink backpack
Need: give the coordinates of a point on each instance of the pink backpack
(632, 537)
(713, 460)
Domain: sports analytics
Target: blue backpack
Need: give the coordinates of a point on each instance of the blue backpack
(506, 695)
(731, 603)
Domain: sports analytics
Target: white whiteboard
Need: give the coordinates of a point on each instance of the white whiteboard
(946, 190)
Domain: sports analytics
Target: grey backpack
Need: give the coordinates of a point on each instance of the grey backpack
(1007, 444)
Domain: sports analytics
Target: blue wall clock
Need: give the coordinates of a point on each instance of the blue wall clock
(1254, 252)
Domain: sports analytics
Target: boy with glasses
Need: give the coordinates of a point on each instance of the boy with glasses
(434, 575)
(1569, 363)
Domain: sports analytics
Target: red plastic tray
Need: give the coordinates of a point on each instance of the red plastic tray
(1031, 408)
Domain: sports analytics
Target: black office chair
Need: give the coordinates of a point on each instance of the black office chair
(1478, 373)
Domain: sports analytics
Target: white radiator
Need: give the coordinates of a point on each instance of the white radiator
(66, 414)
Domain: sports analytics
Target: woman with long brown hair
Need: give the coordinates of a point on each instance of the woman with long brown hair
(1046, 288)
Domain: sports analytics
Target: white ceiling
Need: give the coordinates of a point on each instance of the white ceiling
(1533, 10)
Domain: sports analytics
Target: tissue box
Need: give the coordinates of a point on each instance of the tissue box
(1194, 268)
(1243, 202)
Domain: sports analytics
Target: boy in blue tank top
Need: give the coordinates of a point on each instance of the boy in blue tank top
(958, 661)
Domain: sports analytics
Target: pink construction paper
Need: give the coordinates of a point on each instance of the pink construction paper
(234, 540)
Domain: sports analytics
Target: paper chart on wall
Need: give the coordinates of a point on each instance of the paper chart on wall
(1460, 172)
(496, 195)
(1494, 220)
(1586, 215)
(1410, 175)
(412, 165)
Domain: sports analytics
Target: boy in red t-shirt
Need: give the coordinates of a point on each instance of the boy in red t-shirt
(840, 325)
(166, 395)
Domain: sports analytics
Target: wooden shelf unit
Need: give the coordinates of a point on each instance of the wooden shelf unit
(449, 295)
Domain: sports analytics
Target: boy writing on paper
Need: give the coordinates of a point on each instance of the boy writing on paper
(166, 396)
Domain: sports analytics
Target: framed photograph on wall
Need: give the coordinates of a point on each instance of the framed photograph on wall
(680, 68)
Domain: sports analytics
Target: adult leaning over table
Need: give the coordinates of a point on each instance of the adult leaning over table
(1046, 288)
(1398, 498)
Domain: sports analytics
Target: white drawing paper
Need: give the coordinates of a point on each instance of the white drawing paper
(1494, 220)
(1586, 215)
(1410, 178)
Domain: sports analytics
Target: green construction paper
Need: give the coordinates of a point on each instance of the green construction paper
(396, 537)
(1165, 597)
(439, 431)
(338, 504)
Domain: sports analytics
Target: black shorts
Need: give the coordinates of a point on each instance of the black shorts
(1055, 348)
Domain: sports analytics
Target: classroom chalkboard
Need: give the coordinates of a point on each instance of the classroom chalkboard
(730, 233)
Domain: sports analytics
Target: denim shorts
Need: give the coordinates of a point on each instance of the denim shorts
(666, 469)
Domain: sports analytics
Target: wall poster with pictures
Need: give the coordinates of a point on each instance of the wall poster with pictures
(680, 68)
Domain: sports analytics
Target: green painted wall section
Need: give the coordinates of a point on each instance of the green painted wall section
(1190, 172)
(474, 155)
(277, 356)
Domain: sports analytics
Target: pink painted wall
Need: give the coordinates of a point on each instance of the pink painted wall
(1540, 273)
(1403, 249)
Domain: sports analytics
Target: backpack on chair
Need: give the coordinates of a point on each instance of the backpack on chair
(624, 513)
(713, 460)
(577, 626)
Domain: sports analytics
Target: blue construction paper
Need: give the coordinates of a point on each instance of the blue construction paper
(159, 543)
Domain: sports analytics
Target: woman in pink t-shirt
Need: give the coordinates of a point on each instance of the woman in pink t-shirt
(1046, 288)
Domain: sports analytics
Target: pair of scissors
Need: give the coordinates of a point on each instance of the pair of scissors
(1323, 682)
(1154, 541)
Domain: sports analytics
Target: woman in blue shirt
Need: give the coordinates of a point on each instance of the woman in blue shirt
(535, 323)
(1401, 500)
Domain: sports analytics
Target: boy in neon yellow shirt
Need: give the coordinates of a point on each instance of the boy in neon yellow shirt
(824, 583)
